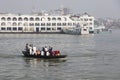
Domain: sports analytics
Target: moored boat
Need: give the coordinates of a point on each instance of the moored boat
(75, 30)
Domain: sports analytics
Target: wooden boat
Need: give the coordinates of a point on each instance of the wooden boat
(26, 54)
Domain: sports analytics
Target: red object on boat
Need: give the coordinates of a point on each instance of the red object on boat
(57, 53)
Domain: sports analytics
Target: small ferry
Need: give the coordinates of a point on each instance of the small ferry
(26, 54)
(44, 53)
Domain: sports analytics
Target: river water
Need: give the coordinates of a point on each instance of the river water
(90, 57)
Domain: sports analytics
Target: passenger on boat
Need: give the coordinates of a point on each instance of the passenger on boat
(50, 51)
(43, 51)
(34, 51)
(38, 52)
(57, 53)
(30, 49)
(46, 51)
(27, 48)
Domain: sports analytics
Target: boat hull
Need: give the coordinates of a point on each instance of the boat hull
(45, 57)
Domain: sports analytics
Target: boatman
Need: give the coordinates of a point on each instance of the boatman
(27, 48)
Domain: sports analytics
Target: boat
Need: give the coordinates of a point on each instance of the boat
(26, 54)
(74, 31)
(45, 23)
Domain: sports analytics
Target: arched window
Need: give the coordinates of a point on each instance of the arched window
(31, 19)
(14, 24)
(8, 19)
(42, 19)
(65, 19)
(3, 24)
(59, 19)
(3, 19)
(14, 19)
(49, 18)
(37, 18)
(19, 24)
(26, 19)
(54, 19)
(19, 19)
(25, 24)
(9, 24)
(31, 24)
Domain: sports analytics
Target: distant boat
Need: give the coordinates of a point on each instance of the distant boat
(74, 30)
(101, 29)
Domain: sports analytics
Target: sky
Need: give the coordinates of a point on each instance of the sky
(96, 8)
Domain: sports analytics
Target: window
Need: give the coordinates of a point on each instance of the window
(85, 19)
(19, 24)
(3, 28)
(26, 19)
(69, 24)
(31, 19)
(19, 19)
(37, 19)
(14, 28)
(49, 19)
(42, 28)
(42, 24)
(3, 19)
(48, 28)
(20, 28)
(90, 23)
(59, 28)
(53, 24)
(81, 19)
(8, 19)
(74, 24)
(65, 18)
(9, 24)
(85, 29)
(26, 24)
(48, 24)
(64, 24)
(54, 19)
(14, 24)
(90, 19)
(59, 19)
(37, 24)
(58, 24)
(8, 28)
(42, 19)
(31, 24)
(14, 19)
(53, 28)
(90, 27)
(3, 24)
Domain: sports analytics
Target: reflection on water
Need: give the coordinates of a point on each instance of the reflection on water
(45, 62)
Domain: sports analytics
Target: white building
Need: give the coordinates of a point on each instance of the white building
(35, 23)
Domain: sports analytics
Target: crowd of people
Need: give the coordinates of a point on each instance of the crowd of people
(46, 51)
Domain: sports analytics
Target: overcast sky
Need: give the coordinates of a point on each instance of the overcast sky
(97, 8)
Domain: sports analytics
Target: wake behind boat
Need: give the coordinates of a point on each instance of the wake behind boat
(44, 53)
